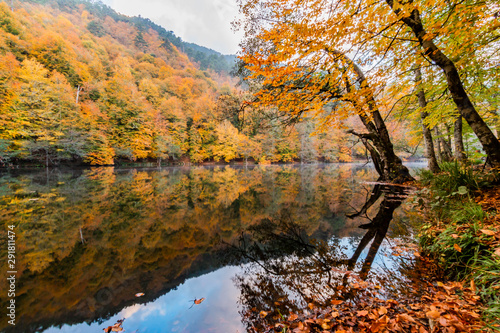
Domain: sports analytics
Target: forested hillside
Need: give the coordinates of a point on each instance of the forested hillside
(82, 83)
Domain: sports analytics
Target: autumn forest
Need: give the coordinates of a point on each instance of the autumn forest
(81, 83)
(339, 173)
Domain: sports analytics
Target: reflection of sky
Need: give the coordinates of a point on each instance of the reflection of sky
(217, 313)
(171, 313)
(383, 259)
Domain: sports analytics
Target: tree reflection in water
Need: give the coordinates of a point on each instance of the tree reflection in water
(287, 271)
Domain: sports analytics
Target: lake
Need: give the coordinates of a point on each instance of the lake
(246, 243)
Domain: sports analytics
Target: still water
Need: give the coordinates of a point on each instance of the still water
(242, 239)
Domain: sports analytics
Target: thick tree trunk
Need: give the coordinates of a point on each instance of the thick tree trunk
(458, 140)
(490, 143)
(388, 164)
(429, 144)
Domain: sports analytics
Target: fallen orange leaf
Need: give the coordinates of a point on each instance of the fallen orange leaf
(457, 247)
(362, 313)
(433, 314)
(488, 232)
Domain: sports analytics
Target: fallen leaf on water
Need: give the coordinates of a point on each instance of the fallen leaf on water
(139, 294)
(457, 247)
(198, 301)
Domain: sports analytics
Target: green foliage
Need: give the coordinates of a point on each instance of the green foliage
(95, 27)
(453, 234)
(453, 176)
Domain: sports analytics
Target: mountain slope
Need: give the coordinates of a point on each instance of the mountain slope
(81, 82)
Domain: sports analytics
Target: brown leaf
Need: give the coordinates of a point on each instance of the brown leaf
(457, 247)
(488, 232)
(380, 323)
(472, 286)
(292, 317)
(404, 317)
(455, 236)
(198, 301)
(362, 313)
(433, 314)
(382, 310)
(263, 314)
(443, 322)
(422, 330)
(325, 326)
(336, 302)
(497, 251)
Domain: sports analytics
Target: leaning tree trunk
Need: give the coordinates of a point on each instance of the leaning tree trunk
(429, 144)
(387, 163)
(458, 140)
(490, 143)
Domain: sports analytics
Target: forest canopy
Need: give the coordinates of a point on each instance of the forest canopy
(82, 83)
(429, 62)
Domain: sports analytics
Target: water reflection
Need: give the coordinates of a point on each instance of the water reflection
(313, 272)
(89, 240)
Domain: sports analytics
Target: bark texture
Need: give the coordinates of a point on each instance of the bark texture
(429, 144)
(445, 153)
(388, 164)
(458, 140)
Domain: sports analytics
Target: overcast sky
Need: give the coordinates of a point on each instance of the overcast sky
(204, 22)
